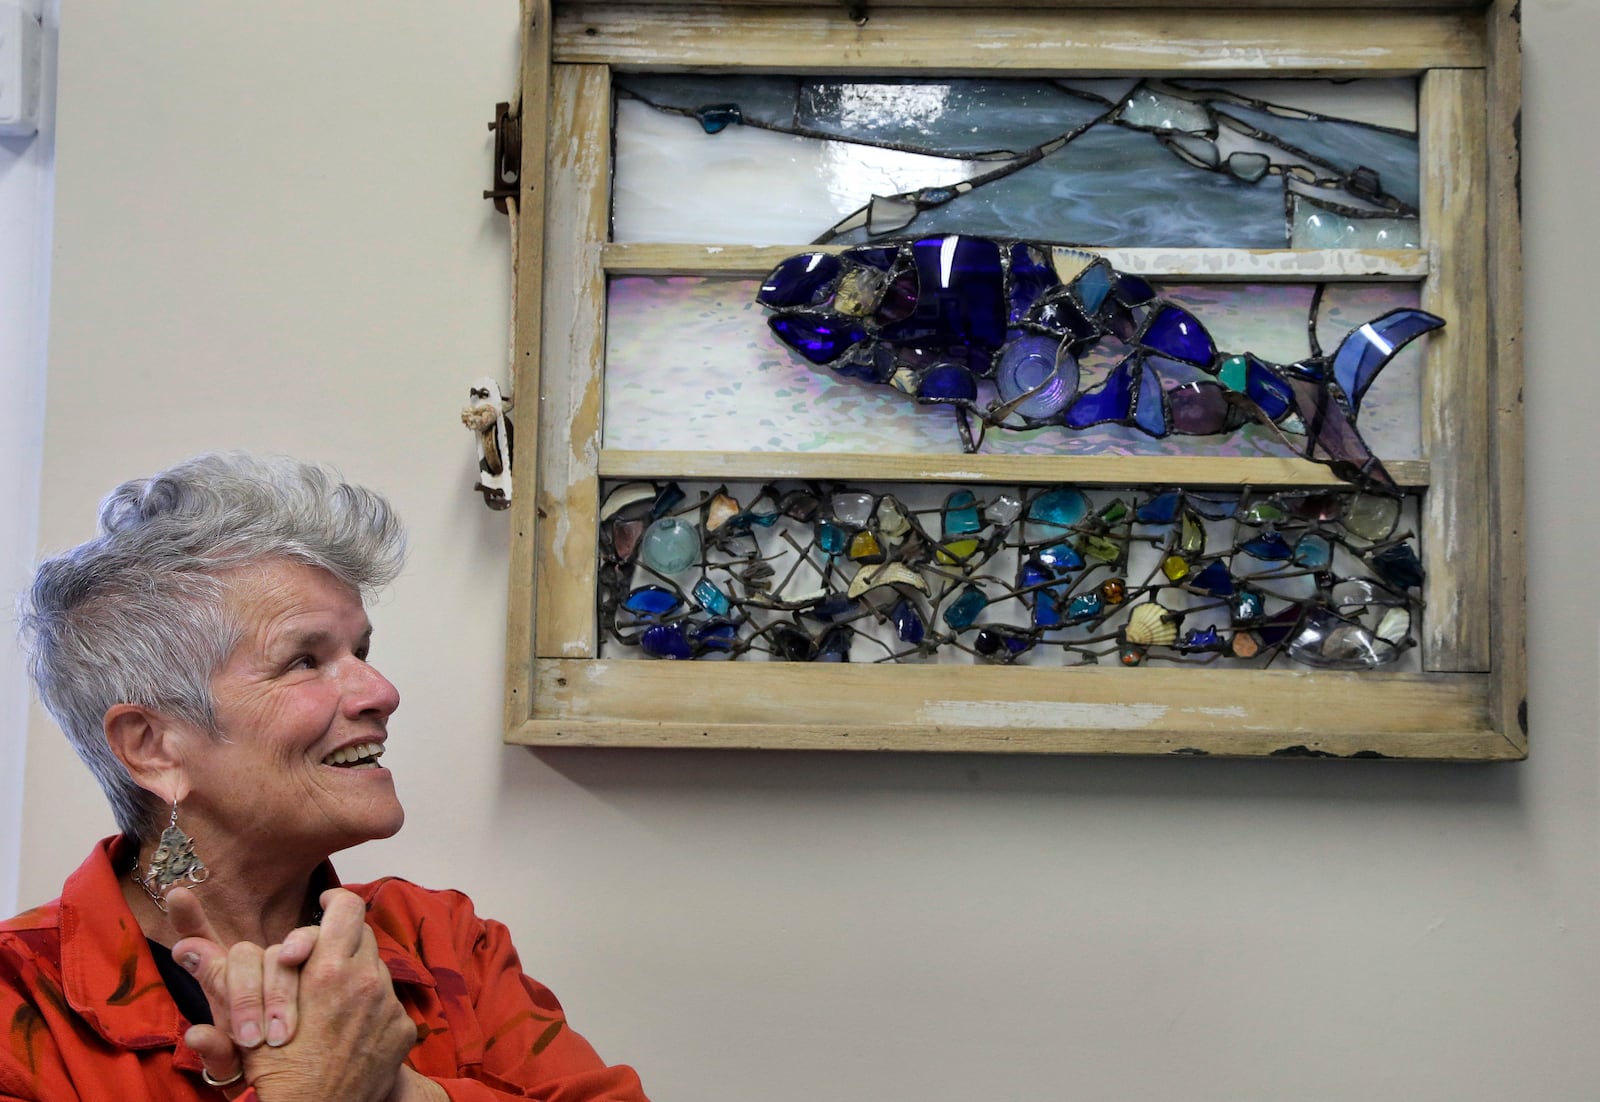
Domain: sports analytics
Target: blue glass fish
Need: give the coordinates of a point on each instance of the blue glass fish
(933, 317)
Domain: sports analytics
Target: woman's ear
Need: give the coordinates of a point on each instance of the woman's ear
(149, 745)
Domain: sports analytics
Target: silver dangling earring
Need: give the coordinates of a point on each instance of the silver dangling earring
(172, 865)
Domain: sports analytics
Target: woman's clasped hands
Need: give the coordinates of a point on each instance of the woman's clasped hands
(312, 1018)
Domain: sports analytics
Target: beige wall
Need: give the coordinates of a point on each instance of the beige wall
(269, 236)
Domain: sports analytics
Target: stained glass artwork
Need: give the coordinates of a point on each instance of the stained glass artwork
(1174, 163)
(1074, 576)
(692, 366)
(968, 318)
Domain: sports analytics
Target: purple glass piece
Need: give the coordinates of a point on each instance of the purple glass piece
(1173, 331)
(820, 338)
(667, 641)
(1030, 361)
(1331, 436)
(1131, 290)
(803, 280)
(1280, 625)
(1032, 275)
(961, 295)
(1150, 412)
(1199, 408)
(947, 383)
(1365, 350)
(899, 299)
(1112, 400)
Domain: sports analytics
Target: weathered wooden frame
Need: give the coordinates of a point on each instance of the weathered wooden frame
(1467, 705)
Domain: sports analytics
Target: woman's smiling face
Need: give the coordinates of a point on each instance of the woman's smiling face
(303, 720)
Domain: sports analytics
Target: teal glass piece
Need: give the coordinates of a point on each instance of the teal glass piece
(1313, 552)
(961, 514)
(1085, 606)
(1248, 606)
(714, 118)
(670, 546)
(710, 598)
(961, 612)
(831, 538)
(1054, 512)
(1092, 286)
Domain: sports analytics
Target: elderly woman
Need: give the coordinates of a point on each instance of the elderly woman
(207, 655)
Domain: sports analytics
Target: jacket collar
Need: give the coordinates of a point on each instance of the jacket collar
(109, 975)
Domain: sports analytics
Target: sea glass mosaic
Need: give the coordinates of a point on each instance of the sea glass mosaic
(1180, 163)
(1020, 575)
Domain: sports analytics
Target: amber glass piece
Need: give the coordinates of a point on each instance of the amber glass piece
(864, 547)
(1114, 590)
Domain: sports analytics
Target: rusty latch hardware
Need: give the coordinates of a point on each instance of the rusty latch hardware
(507, 156)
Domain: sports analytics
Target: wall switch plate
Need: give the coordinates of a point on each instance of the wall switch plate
(20, 36)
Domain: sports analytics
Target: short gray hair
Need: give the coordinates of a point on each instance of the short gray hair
(138, 615)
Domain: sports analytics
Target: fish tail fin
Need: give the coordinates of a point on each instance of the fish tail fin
(1367, 349)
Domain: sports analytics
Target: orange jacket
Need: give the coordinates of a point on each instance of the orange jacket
(86, 1015)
